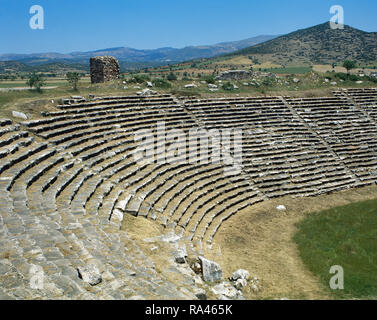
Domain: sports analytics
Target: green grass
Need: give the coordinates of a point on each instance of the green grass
(48, 83)
(345, 236)
(307, 86)
(20, 85)
(9, 99)
(12, 84)
(4, 99)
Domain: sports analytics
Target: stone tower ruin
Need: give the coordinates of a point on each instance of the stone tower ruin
(104, 68)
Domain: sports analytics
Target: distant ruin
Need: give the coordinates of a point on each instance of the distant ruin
(104, 68)
(235, 75)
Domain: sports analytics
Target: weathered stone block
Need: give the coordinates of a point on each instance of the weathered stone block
(211, 270)
(90, 274)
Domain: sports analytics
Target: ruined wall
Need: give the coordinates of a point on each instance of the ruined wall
(104, 68)
(235, 75)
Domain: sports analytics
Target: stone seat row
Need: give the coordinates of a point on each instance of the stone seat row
(115, 100)
(66, 116)
(101, 117)
(51, 264)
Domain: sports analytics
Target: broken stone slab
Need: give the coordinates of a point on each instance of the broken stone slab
(227, 290)
(180, 255)
(90, 274)
(191, 85)
(240, 284)
(122, 205)
(19, 115)
(134, 205)
(196, 267)
(77, 98)
(117, 216)
(146, 92)
(211, 270)
(240, 274)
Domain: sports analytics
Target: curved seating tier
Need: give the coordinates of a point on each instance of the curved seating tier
(67, 180)
(281, 154)
(349, 132)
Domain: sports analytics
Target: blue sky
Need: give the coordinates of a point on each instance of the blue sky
(84, 25)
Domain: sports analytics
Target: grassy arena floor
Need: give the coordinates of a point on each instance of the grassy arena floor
(345, 236)
(261, 239)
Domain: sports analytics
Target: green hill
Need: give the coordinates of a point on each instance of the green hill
(14, 66)
(317, 45)
(11, 67)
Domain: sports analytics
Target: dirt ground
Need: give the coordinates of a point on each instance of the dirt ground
(259, 239)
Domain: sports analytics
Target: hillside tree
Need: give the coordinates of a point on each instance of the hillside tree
(73, 78)
(349, 65)
(35, 80)
(172, 77)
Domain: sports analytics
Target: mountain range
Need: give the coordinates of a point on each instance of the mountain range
(315, 45)
(136, 56)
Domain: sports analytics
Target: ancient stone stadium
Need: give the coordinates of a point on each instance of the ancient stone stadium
(69, 179)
